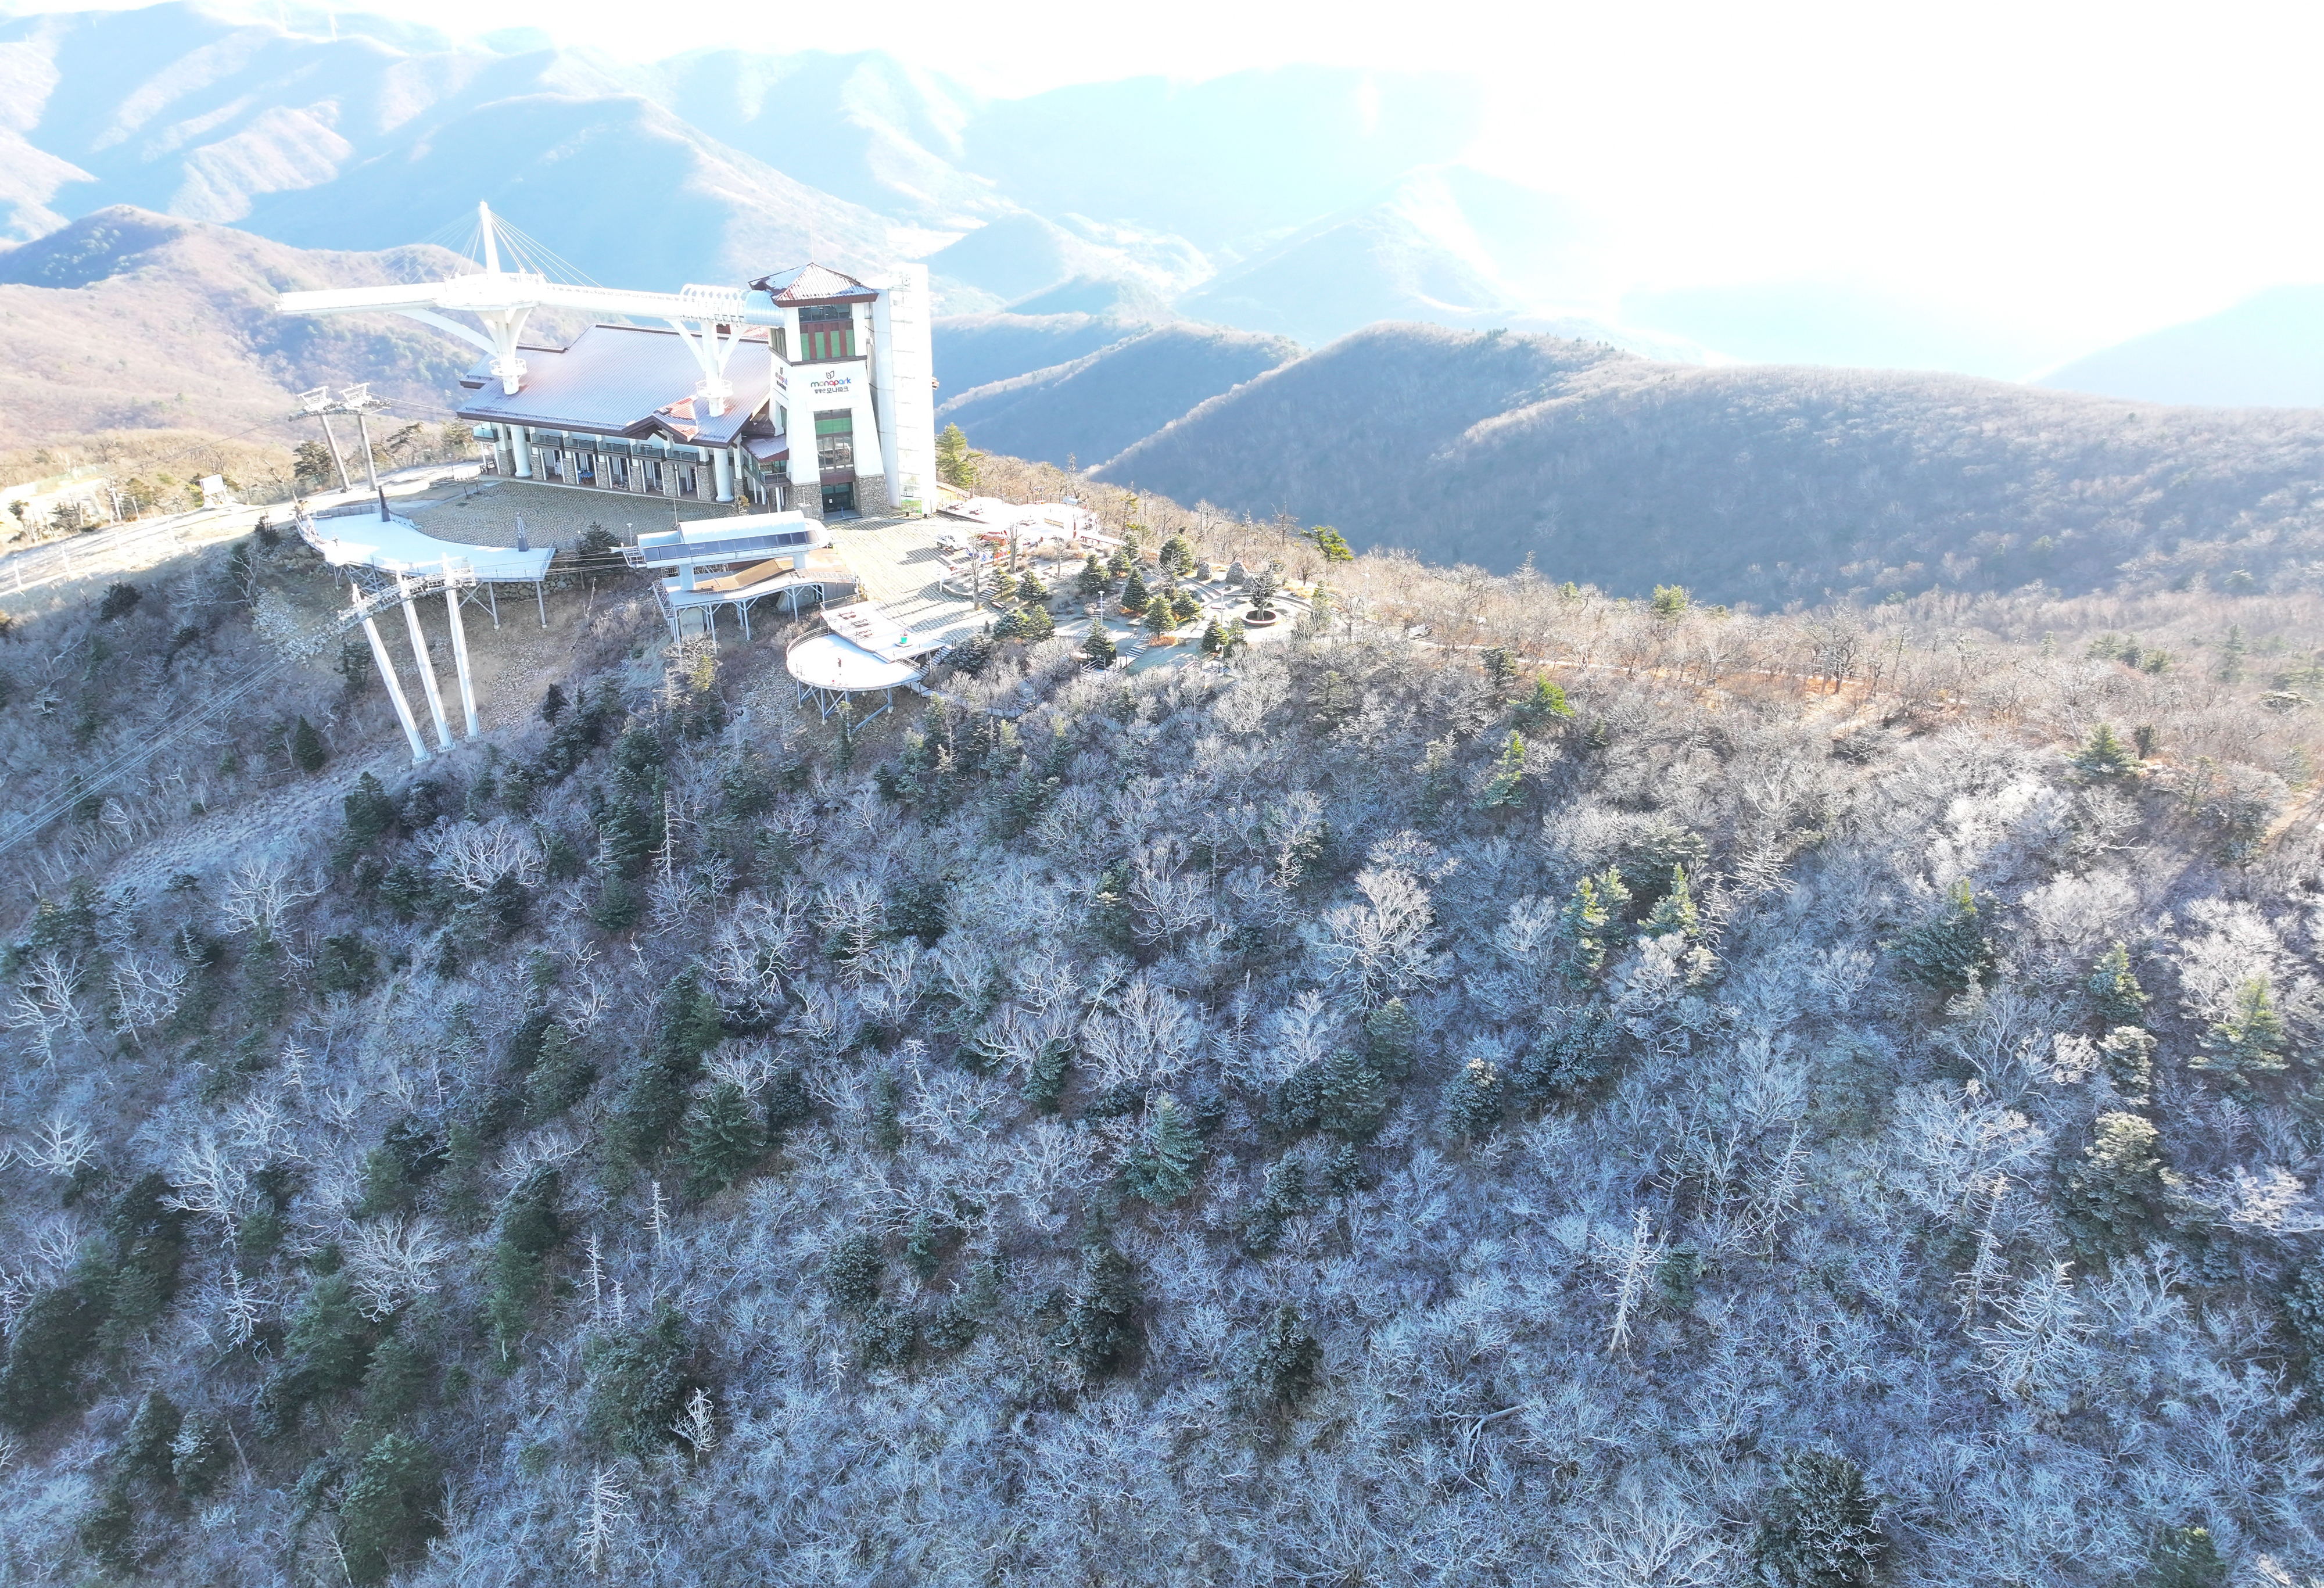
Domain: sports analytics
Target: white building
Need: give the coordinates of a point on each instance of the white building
(807, 390)
(830, 409)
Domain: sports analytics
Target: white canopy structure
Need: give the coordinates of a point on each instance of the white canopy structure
(708, 319)
(866, 651)
(396, 545)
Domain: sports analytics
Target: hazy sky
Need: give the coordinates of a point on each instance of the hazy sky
(2049, 177)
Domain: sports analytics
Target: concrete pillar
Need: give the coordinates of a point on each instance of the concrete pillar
(395, 688)
(428, 674)
(669, 476)
(521, 440)
(723, 460)
(460, 655)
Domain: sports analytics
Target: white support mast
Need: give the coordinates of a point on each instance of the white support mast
(460, 646)
(427, 668)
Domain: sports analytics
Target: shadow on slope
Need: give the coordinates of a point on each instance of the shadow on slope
(1095, 406)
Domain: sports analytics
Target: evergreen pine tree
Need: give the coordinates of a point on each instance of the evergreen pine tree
(1098, 650)
(1185, 606)
(1278, 1368)
(1046, 1077)
(392, 1508)
(1284, 1194)
(1135, 596)
(1178, 555)
(955, 463)
(1591, 925)
(2114, 1194)
(2130, 1054)
(1163, 1168)
(1031, 587)
(107, 1527)
(552, 705)
(920, 1251)
(1353, 1097)
(307, 752)
(1091, 582)
(1101, 1326)
(144, 1448)
(1472, 1098)
(392, 1385)
(2103, 755)
(1506, 787)
(1440, 779)
(528, 1229)
(2248, 1040)
(369, 812)
(1343, 1171)
(200, 1456)
(561, 1076)
(2185, 1557)
(2120, 1001)
(618, 904)
(1546, 704)
(2304, 1308)
(1821, 1530)
(1675, 911)
(1035, 624)
(637, 1383)
(851, 1272)
(1392, 1039)
(1949, 951)
(722, 1141)
(788, 1107)
(887, 1104)
(1159, 619)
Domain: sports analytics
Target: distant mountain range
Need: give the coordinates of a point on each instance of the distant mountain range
(126, 319)
(1767, 484)
(2267, 351)
(1305, 201)
(1763, 484)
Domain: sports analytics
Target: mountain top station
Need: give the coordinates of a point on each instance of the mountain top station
(807, 391)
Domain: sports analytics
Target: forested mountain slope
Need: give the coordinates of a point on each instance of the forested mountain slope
(974, 350)
(1763, 484)
(1798, 1101)
(1096, 405)
(126, 319)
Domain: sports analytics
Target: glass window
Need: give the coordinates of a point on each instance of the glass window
(834, 440)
